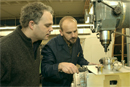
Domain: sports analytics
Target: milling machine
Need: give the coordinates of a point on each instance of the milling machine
(107, 16)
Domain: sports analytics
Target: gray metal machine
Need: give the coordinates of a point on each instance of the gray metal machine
(109, 15)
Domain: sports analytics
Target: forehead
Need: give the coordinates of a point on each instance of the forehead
(47, 17)
(69, 25)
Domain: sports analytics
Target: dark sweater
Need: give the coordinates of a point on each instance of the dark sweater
(19, 65)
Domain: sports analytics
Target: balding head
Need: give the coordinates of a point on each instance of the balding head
(66, 19)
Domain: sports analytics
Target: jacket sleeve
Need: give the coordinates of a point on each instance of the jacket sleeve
(81, 59)
(49, 67)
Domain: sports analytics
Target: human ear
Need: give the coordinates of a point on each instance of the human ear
(31, 25)
(61, 33)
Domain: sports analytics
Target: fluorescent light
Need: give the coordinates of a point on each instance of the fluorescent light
(54, 32)
(83, 30)
(87, 21)
(53, 26)
(84, 25)
(91, 10)
(12, 27)
(4, 33)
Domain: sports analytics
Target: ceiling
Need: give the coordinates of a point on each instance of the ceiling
(10, 9)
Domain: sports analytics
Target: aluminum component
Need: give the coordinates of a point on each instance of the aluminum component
(108, 62)
(105, 38)
(79, 79)
(117, 65)
(117, 10)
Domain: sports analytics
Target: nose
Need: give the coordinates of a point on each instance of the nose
(73, 34)
(51, 29)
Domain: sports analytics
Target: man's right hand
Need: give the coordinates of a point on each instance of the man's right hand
(68, 68)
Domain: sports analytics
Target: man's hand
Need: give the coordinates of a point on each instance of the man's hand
(68, 68)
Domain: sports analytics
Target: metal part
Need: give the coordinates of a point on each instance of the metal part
(117, 65)
(105, 38)
(121, 34)
(108, 16)
(79, 79)
(116, 10)
(83, 69)
(106, 4)
(108, 62)
(100, 68)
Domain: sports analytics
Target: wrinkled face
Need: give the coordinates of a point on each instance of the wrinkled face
(44, 26)
(69, 31)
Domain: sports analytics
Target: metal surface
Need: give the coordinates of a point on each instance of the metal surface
(79, 80)
(105, 38)
(124, 19)
(107, 60)
(122, 34)
(110, 63)
(110, 16)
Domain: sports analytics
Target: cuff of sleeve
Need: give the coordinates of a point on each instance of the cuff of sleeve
(88, 63)
(55, 67)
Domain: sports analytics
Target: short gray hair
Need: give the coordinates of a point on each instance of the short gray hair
(33, 11)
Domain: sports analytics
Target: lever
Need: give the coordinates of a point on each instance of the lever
(116, 10)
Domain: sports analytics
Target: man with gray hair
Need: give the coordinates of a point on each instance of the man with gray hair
(20, 53)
